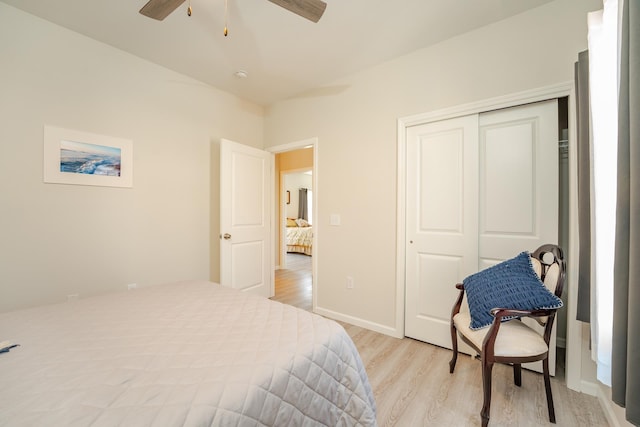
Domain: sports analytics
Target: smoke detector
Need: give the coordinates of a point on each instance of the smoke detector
(241, 74)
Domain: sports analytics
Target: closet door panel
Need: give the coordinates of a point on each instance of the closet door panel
(439, 203)
(508, 178)
(519, 186)
(441, 242)
(518, 179)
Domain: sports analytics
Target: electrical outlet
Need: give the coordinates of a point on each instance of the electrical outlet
(72, 297)
(131, 286)
(349, 282)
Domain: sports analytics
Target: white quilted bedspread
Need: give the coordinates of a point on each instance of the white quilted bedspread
(190, 353)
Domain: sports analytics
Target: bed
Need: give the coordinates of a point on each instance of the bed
(189, 353)
(299, 236)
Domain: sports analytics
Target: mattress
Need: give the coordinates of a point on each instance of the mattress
(188, 353)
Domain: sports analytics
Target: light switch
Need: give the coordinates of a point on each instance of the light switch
(334, 219)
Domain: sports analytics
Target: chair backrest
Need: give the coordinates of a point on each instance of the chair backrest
(548, 263)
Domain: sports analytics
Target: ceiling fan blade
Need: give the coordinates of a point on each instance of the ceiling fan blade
(160, 9)
(310, 9)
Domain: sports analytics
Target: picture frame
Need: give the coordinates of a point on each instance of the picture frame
(83, 158)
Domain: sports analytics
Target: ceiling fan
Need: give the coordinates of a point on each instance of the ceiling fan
(309, 9)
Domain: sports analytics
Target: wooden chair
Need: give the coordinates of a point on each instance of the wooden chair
(512, 342)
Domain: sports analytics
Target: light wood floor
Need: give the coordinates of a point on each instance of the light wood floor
(413, 387)
(293, 283)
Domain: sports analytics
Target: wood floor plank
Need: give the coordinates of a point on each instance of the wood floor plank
(413, 387)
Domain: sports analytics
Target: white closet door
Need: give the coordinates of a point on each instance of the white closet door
(442, 222)
(480, 189)
(519, 186)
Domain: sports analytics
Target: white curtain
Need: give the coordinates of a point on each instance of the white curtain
(603, 85)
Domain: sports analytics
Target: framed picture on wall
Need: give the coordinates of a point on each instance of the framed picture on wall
(82, 158)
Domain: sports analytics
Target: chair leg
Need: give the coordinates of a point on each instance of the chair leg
(487, 367)
(547, 386)
(454, 347)
(517, 374)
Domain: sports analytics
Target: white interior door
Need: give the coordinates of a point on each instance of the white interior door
(442, 224)
(480, 189)
(519, 169)
(245, 218)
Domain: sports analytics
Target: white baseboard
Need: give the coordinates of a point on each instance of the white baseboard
(613, 414)
(607, 407)
(383, 329)
(590, 388)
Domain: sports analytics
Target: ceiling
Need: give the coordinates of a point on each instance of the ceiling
(283, 54)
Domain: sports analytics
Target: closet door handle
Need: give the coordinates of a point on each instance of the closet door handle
(226, 236)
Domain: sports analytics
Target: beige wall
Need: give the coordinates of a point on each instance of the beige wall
(58, 240)
(293, 182)
(356, 130)
(295, 159)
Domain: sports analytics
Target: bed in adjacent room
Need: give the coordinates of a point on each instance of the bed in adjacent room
(189, 353)
(299, 236)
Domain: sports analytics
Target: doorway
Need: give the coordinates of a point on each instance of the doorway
(295, 260)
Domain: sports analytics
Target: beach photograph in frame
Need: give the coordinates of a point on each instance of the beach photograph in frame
(82, 158)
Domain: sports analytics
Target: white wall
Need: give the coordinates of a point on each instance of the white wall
(356, 130)
(293, 182)
(63, 239)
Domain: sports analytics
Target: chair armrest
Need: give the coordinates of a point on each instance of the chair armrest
(499, 313)
(456, 307)
(505, 312)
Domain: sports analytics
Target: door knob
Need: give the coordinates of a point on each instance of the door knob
(226, 236)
